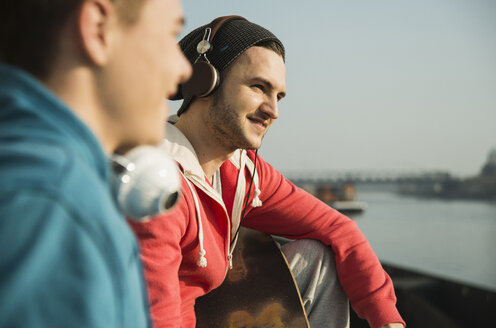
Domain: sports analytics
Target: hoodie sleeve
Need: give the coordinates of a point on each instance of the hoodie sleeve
(291, 212)
(160, 243)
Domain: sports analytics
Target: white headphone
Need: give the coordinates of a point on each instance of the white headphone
(145, 182)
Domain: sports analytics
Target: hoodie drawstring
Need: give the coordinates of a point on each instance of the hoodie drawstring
(202, 260)
(256, 202)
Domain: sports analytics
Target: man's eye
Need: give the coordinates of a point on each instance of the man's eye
(259, 86)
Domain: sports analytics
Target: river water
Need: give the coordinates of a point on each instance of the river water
(450, 239)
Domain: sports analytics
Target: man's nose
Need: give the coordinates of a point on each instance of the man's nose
(270, 108)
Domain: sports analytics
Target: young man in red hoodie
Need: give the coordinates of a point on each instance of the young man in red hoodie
(187, 252)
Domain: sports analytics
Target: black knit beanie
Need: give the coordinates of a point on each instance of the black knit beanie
(233, 38)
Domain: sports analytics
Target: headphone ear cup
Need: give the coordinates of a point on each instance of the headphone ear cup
(204, 80)
(145, 182)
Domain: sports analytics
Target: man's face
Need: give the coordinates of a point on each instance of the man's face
(146, 67)
(246, 105)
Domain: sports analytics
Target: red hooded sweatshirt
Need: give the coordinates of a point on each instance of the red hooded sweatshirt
(186, 252)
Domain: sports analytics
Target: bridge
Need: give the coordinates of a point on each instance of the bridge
(366, 176)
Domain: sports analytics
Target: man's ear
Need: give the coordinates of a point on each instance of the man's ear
(95, 25)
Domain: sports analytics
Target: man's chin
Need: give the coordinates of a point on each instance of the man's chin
(250, 141)
(253, 145)
(153, 139)
(149, 140)
(252, 148)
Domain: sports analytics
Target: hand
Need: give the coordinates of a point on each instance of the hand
(393, 325)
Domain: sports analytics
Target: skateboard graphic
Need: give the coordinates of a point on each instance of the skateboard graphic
(258, 292)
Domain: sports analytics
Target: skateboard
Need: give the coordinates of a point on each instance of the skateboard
(258, 292)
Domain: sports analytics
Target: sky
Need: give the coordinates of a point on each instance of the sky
(384, 85)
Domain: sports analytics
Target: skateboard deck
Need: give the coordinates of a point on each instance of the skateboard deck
(258, 292)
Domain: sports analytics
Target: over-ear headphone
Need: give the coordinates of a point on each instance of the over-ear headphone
(205, 77)
(145, 182)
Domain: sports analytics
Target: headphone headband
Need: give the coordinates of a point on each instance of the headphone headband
(219, 21)
(206, 44)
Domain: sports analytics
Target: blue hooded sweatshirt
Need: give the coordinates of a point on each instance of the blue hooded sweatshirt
(67, 256)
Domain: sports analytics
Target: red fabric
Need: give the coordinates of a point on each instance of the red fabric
(169, 245)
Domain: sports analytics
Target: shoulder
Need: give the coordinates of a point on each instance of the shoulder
(265, 170)
(25, 161)
(54, 174)
(38, 165)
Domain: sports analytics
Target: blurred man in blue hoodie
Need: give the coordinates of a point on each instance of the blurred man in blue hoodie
(79, 80)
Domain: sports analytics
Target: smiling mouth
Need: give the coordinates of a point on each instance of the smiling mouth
(259, 122)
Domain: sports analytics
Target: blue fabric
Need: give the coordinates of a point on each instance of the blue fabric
(67, 256)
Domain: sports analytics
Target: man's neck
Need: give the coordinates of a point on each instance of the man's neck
(77, 91)
(211, 154)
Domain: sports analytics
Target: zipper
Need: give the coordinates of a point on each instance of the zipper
(228, 248)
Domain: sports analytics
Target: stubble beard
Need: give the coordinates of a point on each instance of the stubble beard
(226, 125)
